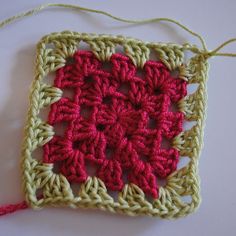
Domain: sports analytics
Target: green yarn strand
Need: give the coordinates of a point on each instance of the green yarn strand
(207, 53)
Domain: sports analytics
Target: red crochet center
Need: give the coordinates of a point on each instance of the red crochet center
(116, 122)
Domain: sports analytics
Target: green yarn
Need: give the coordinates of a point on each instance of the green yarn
(205, 52)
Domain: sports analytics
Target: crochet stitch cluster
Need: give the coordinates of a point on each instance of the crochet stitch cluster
(116, 121)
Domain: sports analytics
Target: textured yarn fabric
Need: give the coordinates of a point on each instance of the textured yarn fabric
(117, 121)
(123, 116)
(120, 113)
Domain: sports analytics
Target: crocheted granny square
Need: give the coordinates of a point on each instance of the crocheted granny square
(114, 134)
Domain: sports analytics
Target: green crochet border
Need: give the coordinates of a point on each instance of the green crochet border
(52, 52)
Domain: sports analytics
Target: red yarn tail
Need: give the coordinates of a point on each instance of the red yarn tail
(12, 208)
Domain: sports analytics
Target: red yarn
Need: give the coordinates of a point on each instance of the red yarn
(12, 208)
(116, 122)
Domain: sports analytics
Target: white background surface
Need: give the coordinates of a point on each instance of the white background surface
(215, 20)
